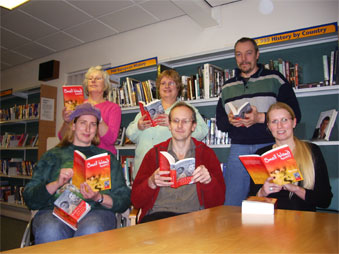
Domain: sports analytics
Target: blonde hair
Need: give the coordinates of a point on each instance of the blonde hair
(104, 74)
(172, 74)
(302, 151)
(69, 135)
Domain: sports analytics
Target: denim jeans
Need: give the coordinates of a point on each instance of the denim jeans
(48, 228)
(237, 179)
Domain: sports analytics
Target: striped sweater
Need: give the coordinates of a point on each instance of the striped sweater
(263, 88)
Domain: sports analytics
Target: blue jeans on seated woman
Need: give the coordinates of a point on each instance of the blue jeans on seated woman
(48, 228)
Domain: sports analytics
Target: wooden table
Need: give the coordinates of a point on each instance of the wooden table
(221, 229)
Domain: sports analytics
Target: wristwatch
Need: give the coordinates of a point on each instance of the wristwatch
(101, 199)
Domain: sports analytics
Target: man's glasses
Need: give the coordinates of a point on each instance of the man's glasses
(182, 121)
(282, 120)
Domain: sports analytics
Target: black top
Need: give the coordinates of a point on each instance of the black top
(320, 196)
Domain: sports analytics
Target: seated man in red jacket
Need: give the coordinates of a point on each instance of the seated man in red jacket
(151, 189)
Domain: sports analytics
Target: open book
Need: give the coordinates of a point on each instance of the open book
(73, 96)
(70, 208)
(181, 171)
(278, 163)
(325, 124)
(240, 111)
(152, 110)
(95, 170)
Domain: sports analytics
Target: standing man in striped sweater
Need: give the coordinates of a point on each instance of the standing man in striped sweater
(261, 88)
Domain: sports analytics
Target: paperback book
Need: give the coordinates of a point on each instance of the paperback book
(239, 112)
(73, 96)
(181, 171)
(151, 110)
(325, 125)
(278, 163)
(70, 208)
(95, 170)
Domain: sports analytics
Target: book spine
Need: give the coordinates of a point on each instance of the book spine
(325, 67)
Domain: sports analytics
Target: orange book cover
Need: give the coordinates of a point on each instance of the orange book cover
(70, 208)
(278, 163)
(95, 170)
(73, 96)
(181, 171)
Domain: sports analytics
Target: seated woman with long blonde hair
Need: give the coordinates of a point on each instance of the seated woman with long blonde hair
(315, 190)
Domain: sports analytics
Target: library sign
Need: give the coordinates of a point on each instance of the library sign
(133, 66)
(297, 34)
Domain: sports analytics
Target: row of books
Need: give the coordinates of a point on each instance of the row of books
(132, 91)
(19, 112)
(16, 167)
(331, 68)
(215, 136)
(11, 193)
(291, 71)
(127, 164)
(11, 140)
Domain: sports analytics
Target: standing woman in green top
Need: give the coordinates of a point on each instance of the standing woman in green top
(141, 132)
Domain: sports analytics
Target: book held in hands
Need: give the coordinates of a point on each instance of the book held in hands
(181, 171)
(70, 208)
(278, 163)
(95, 170)
(73, 96)
(239, 112)
(325, 125)
(151, 110)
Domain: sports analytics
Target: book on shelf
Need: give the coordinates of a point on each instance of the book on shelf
(181, 172)
(239, 112)
(258, 205)
(120, 141)
(127, 163)
(278, 163)
(213, 77)
(326, 70)
(35, 140)
(162, 67)
(151, 110)
(95, 170)
(325, 125)
(70, 208)
(73, 96)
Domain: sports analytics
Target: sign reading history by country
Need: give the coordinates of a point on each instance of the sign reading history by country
(297, 34)
(133, 66)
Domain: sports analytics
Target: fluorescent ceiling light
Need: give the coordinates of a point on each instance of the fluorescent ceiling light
(11, 4)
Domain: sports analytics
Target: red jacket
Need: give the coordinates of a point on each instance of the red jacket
(210, 195)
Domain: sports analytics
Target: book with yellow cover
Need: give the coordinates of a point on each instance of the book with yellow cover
(95, 170)
(278, 163)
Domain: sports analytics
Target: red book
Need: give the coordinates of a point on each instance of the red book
(151, 110)
(95, 170)
(70, 208)
(73, 96)
(181, 171)
(278, 163)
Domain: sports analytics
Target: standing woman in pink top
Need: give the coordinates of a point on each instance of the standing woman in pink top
(96, 85)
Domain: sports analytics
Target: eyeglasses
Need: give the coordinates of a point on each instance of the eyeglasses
(182, 121)
(171, 83)
(96, 79)
(282, 120)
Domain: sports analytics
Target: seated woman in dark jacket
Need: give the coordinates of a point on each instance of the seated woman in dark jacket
(315, 190)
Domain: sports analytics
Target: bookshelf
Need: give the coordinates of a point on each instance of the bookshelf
(41, 126)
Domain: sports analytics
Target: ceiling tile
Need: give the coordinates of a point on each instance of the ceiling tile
(59, 41)
(33, 50)
(98, 8)
(127, 19)
(25, 25)
(163, 9)
(10, 40)
(11, 58)
(56, 13)
(90, 31)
